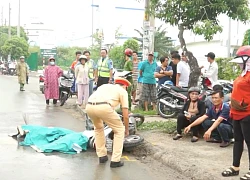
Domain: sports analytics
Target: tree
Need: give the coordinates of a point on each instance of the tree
(98, 38)
(16, 46)
(246, 39)
(201, 17)
(225, 71)
(117, 56)
(5, 29)
(132, 44)
(117, 53)
(162, 43)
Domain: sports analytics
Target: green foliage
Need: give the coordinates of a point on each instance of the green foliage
(162, 43)
(166, 126)
(33, 49)
(227, 70)
(5, 30)
(117, 56)
(117, 52)
(132, 44)
(4, 38)
(246, 40)
(16, 46)
(140, 111)
(200, 16)
(66, 55)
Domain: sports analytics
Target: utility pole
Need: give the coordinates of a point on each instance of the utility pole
(229, 39)
(9, 30)
(2, 16)
(92, 38)
(18, 26)
(148, 34)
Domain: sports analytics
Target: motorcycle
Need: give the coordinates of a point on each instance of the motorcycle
(171, 99)
(66, 81)
(41, 83)
(130, 141)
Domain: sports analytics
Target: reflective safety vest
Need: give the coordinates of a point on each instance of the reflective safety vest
(103, 68)
(91, 70)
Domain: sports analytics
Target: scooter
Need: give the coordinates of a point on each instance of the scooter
(130, 141)
(66, 81)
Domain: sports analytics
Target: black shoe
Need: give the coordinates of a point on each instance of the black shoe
(103, 159)
(116, 164)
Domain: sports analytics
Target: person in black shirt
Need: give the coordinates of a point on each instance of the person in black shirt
(173, 67)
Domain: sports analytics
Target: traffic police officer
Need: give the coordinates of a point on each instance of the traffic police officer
(104, 69)
(100, 108)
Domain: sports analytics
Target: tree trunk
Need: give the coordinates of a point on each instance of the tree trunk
(192, 61)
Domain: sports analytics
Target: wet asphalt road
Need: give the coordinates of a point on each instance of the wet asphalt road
(23, 163)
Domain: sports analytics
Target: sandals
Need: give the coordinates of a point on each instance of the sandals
(194, 139)
(230, 172)
(177, 137)
(246, 176)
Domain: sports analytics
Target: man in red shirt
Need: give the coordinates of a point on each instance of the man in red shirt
(78, 54)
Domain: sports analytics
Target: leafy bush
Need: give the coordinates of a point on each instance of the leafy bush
(227, 70)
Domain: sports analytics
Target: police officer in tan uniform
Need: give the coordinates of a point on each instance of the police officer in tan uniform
(101, 108)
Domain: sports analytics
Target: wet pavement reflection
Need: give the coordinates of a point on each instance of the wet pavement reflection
(23, 163)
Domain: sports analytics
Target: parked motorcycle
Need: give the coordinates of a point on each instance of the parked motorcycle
(130, 141)
(66, 81)
(171, 99)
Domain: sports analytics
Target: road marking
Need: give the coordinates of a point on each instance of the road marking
(127, 158)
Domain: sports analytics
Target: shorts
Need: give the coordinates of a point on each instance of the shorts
(134, 86)
(149, 93)
(138, 91)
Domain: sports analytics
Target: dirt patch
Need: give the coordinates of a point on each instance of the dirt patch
(199, 161)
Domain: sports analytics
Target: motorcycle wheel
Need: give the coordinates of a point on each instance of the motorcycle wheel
(132, 141)
(161, 107)
(139, 119)
(63, 99)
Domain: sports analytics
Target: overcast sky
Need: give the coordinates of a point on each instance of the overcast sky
(72, 19)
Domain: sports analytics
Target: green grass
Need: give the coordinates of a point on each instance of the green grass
(142, 112)
(165, 126)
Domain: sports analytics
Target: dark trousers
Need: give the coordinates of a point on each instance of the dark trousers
(241, 133)
(54, 101)
(183, 122)
(223, 132)
(102, 80)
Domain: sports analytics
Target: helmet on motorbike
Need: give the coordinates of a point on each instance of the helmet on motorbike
(82, 57)
(242, 55)
(194, 89)
(128, 52)
(168, 83)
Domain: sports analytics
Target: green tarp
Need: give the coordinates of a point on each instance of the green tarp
(48, 139)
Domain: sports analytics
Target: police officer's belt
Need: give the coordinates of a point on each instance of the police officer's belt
(98, 103)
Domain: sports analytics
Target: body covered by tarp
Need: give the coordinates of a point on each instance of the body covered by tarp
(48, 139)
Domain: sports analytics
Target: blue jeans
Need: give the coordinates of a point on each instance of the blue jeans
(223, 132)
(91, 81)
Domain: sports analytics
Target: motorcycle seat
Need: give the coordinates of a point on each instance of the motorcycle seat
(177, 89)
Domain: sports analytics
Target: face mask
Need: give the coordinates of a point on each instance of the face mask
(241, 65)
(52, 63)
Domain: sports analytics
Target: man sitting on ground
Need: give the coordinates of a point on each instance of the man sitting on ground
(216, 122)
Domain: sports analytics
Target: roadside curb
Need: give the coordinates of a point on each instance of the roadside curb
(185, 165)
(82, 111)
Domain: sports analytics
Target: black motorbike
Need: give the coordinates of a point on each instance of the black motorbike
(171, 99)
(65, 84)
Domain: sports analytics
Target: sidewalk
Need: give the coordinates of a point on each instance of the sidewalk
(200, 160)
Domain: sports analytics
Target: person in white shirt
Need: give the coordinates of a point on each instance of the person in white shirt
(212, 72)
(183, 71)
